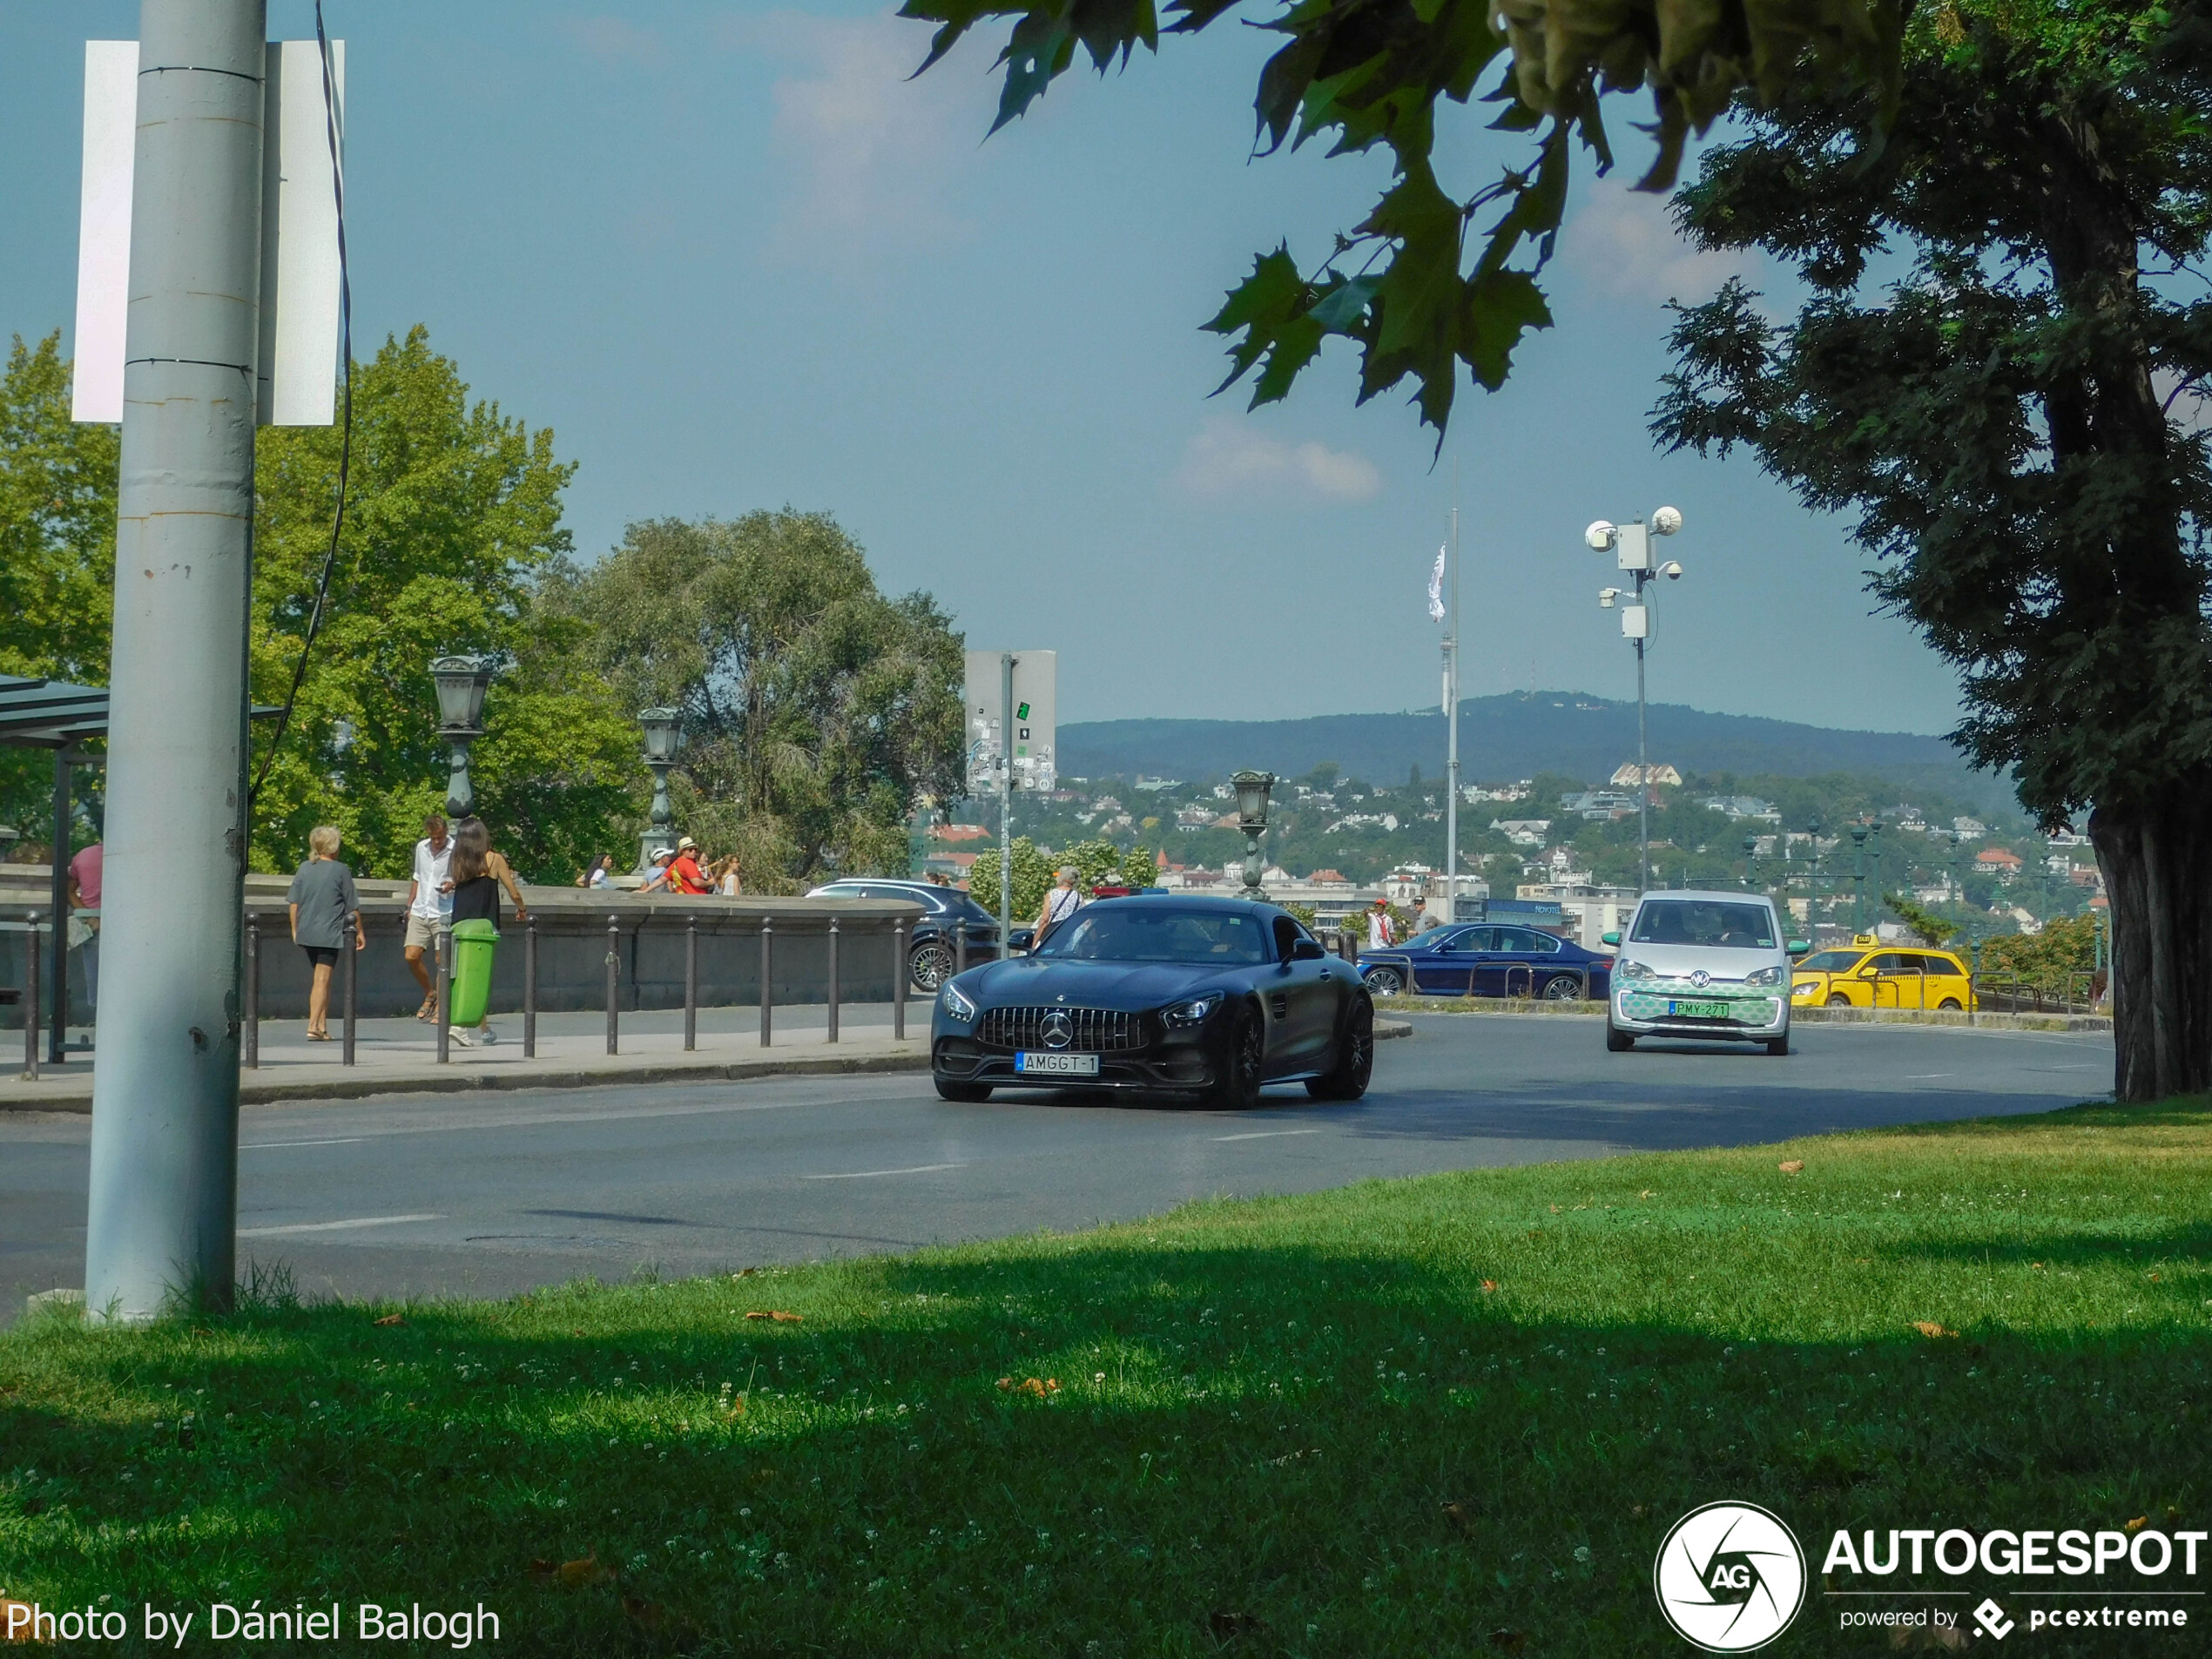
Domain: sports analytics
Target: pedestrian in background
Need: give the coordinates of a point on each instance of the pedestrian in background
(426, 907)
(84, 894)
(477, 874)
(1380, 934)
(598, 873)
(684, 875)
(725, 877)
(322, 896)
(663, 858)
(1059, 904)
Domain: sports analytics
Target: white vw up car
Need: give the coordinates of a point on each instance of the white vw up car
(1712, 966)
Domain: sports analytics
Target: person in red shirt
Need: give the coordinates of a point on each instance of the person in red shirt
(683, 875)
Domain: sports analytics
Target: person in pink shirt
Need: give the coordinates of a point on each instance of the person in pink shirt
(84, 894)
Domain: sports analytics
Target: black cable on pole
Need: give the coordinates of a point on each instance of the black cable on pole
(346, 427)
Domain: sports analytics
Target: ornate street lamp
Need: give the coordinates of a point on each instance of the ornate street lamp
(1252, 789)
(461, 682)
(664, 731)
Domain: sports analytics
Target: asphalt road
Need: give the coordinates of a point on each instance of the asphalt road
(487, 1196)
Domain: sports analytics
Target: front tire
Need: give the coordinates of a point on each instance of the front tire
(967, 1094)
(1383, 982)
(1243, 1065)
(1778, 1046)
(1838, 1002)
(930, 965)
(1347, 1079)
(1617, 1041)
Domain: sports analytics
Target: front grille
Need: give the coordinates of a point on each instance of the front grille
(1097, 1030)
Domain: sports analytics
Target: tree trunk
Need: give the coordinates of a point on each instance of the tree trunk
(2157, 863)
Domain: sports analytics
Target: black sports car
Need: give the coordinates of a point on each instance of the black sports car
(1205, 996)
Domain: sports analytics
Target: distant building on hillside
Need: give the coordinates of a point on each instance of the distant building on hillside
(1523, 831)
(1742, 806)
(1626, 777)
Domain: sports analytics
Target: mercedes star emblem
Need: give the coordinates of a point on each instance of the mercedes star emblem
(1059, 1030)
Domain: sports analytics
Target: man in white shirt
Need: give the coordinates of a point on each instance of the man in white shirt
(427, 905)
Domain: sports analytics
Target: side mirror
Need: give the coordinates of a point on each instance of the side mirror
(1307, 950)
(1798, 947)
(1869, 972)
(1611, 936)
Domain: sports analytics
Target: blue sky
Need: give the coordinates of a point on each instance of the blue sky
(735, 261)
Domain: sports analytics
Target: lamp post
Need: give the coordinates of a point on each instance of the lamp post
(1631, 544)
(461, 682)
(1252, 789)
(663, 732)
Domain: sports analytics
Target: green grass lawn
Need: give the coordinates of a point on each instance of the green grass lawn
(1444, 1415)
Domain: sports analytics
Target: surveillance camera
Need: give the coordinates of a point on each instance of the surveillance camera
(1671, 570)
(1599, 537)
(1666, 521)
(1607, 596)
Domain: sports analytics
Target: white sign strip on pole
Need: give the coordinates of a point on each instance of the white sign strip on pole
(299, 356)
(104, 228)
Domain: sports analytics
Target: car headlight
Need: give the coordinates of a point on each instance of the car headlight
(956, 1004)
(1191, 1012)
(1763, 977)
(1809, 988)
(1634, 970)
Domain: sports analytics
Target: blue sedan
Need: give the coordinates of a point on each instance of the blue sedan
(1487, 960)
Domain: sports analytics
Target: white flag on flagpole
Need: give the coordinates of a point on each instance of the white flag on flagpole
(1436, 589)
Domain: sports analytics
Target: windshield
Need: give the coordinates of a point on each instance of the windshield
(1144, 931)
(1832, 962)
(1704, 921)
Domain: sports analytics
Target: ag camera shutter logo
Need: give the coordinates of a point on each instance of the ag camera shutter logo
(1730, 1577)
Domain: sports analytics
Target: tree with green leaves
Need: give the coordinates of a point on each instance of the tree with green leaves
(817, 711)
(1425, 283)
(1097, 864)
(2001, 370)
(1924, 924)
(57, 549)
(452, 522)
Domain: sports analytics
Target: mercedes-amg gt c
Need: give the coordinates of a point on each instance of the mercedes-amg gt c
(1212, 997)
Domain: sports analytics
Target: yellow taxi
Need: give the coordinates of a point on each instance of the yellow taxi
(1869, 974)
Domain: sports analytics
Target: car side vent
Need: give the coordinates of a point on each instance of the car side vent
(1282, 1005)
(1090, 1030)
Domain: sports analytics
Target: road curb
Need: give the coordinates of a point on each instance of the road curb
(255, 1093)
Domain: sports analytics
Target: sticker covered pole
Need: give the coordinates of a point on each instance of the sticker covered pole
(163, 1207)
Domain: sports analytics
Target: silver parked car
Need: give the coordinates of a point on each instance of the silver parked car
(1711, 966)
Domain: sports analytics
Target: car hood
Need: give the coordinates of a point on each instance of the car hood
(1027, 981)
(1680, 961)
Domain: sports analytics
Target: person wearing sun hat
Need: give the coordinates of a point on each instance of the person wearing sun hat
(684, 875)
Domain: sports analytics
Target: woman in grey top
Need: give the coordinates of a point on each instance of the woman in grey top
(322, 896)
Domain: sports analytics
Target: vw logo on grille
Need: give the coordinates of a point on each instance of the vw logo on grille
(1701, 979)
(1058, 1031)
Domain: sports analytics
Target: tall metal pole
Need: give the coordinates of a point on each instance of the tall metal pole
(1451, 723)
(1006, 802)
(163, 1211)
(1644, 771)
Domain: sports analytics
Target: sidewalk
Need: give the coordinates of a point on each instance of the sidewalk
(400, 1056)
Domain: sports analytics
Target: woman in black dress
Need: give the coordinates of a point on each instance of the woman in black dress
(477, 874)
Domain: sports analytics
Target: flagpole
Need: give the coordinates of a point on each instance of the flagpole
(1452, 720)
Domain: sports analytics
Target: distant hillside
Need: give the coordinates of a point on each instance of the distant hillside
(1517, 736)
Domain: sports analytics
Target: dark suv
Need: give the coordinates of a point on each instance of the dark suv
(933, 955)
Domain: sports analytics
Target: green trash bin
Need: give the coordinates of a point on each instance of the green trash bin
(472, 942)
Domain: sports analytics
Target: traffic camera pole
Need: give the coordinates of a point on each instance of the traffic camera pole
(163, 1201)
(1005, 803)
(1451, 723)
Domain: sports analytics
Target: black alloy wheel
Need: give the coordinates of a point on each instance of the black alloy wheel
(1383, 982)
(1561, 988)
(1347, 1079)
(1243, 1063)
(967, 1093)
(931, 965)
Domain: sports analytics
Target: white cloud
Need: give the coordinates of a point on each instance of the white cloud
(869, 153)
(1227, 458)
(1624, 241)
